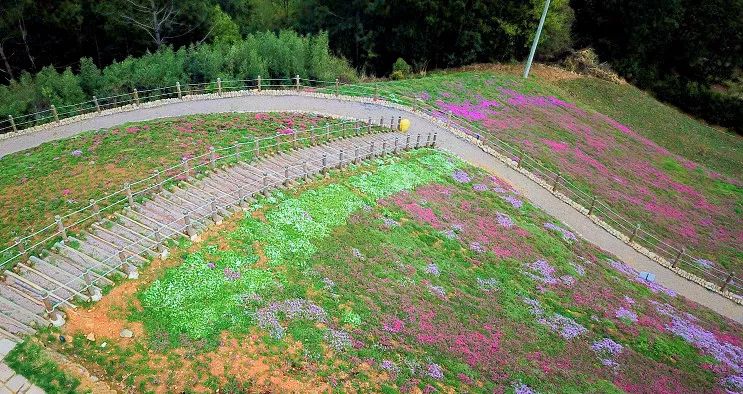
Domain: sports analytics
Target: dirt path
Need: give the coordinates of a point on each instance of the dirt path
(447, 141)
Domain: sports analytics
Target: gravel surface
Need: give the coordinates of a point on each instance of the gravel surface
(446, 141)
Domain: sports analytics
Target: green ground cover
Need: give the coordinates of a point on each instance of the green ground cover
(417, 273)
(656, 166)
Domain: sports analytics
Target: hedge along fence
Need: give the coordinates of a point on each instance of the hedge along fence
(32, 100)
(675, 258)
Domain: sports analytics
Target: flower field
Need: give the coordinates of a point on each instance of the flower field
(641, 175)
(61, 176)
(417, 273)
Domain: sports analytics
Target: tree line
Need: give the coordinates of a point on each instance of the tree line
(686, 52)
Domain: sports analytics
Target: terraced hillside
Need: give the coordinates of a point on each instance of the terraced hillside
(678, 178)
(418, 273)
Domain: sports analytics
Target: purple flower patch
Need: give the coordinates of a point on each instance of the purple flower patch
(268, 317)
(504, 220)
(541, 271)
(515, 202)
(433, 269)
(461, 176)
(476, 247)
(626, 314)
(520, 388)
(566, 235)
(480, 187)
(438, 290)
(435, 371)
(76, 153)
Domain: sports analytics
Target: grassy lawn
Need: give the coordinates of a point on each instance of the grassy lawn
(676, 176)
(62, 176)
(411, 274)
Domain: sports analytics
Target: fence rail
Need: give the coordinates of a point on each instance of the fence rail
(630, 232)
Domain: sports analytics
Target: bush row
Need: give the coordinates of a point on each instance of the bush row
(269, 55)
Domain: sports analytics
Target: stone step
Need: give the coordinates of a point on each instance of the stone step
(90, 256)
(53, 272)
(78, 266)
(30, 317)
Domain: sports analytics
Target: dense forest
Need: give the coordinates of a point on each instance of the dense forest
(686, 52)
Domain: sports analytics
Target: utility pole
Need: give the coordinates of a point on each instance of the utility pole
(536, 39)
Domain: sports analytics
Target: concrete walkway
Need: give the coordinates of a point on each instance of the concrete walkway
(446, 140)
(11, 382)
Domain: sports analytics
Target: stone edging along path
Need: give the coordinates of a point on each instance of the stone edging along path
(456, 141)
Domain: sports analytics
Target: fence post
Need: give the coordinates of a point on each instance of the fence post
(286, 176)
(265, 184)
(428, 139)
(357, 132)
(435, 135)
(407, 142)
(55, 316)
(12, 123)
(159, 180)
(189, 226)
(376, 92)
(60, 227)
(337, 87)
(396, 145)
(159, 241)
(369, 125)
(381, 121)
(219, 87)
(256, 148)
(21, 247)
(212, 158)
(392, 123)
(129, 269)
(593, 205)
(727, 281)
(178, 88)
(259, 83)
(187, 168)
(297, 77)
(418, 141)
(129, 195)
(277, 142)
(96, 209)
(372, 153)
(340, 158)
(399, 119)
(313, 140)
(634, 233)
(384, 147)
(521, 159)
(305, 172)
(93, 291)
(213, 208)
(295, 143)
(356, 155)
(136, 96)
(678, 257)
(327, 132)
(54, 113)
(97, 106)
(556, 181)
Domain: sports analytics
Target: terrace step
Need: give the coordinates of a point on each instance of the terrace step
(59, 275)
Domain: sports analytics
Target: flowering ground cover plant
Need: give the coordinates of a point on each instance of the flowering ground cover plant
(417, 273)
(61, 176)
(681, 201)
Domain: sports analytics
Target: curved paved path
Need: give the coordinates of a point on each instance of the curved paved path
(446, 140)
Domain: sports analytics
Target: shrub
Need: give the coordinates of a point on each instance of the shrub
(401, 69)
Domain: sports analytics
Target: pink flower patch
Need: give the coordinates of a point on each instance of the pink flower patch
(394, 326)
(665, 211)
(260, 116)
(421, 213)
(66, 192)
(556, 146)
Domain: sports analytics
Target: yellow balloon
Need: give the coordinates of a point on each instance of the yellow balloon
(404, 125)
